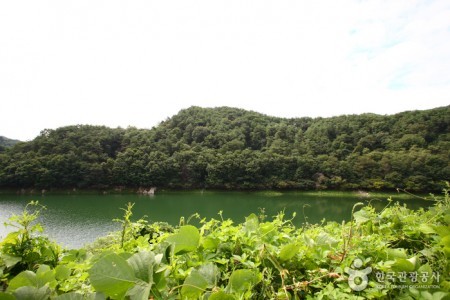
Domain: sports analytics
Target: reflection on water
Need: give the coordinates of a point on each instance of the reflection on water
(73, 220)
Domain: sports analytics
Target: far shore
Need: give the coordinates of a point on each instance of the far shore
(363, 194)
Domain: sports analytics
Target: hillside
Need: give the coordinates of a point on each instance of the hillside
(6, 142)
(236, 149)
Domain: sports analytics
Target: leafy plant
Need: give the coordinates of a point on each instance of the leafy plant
(25, 248)
(126, 222)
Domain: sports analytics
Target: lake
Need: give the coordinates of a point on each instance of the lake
(73, 220)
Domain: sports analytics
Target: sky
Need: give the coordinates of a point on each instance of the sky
(137, 63)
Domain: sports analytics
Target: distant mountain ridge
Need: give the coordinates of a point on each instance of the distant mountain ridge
(230, 148)
(6, 142)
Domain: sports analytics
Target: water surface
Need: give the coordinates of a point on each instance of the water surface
(74, 220)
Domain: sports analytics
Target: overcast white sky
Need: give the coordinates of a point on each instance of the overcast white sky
(121, 63)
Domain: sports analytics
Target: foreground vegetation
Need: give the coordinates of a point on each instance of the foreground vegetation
(229, 148)
(399, 254)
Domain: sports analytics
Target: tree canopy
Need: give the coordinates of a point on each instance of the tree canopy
(229, 148)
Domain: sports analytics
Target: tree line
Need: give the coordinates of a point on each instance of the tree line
(229, 148)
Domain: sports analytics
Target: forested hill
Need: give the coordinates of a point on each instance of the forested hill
(6, 142)
(237, 149)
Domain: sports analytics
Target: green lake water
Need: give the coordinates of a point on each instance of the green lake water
(77, 219)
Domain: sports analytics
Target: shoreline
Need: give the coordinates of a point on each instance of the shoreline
(363, 194)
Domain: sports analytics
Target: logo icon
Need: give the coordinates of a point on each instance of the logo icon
(357, 279)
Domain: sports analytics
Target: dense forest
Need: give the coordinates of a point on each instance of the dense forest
(229, 148)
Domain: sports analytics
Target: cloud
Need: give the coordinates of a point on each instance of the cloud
(120, 64)
(405, 45)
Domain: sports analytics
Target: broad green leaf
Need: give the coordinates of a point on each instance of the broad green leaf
(194, 285)
(242, 280)
(142, 264)
(140, 291)
(445, 241)
(221, 295)
(25, 278)
(439, 295)
(112, 275)
(158, 258)
(308, 241)
(251, 224)
(289, 251)
(324, 239)
(32, 293)
(160, 279)
(210, 243)
(124, 255)
(447, 251)
(47, 252)
(268, 229)
(10, 260)
(361, 216)
(425, 295)
(414, 292)
(45, 275)
(185, 240)
(11, 238)
(415, 261)
(393, 253)
(425, 273)
(210, 272)
(73, 256)
(70, 296)
(95, 296)
(403, 265)
(426, 229)
(443, 230)
(5, 296)
(62, 272)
